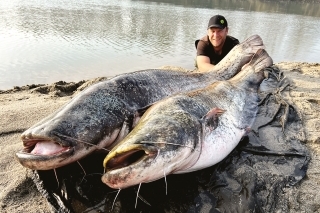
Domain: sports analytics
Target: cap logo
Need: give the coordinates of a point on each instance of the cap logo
(222, 21)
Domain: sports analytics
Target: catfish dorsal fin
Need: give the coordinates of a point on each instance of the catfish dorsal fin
(211, 120)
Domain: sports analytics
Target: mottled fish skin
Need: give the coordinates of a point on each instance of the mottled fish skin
(175, 135)
(104, 113)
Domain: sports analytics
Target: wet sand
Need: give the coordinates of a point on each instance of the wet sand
(21, 107)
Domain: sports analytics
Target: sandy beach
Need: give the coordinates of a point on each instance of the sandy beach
(21, 107)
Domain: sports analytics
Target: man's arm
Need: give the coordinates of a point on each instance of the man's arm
(203, 63)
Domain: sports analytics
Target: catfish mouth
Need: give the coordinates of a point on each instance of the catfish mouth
(43, 147)
(128, 158)
(44, 153)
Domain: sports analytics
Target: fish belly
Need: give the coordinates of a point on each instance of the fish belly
(216, 146)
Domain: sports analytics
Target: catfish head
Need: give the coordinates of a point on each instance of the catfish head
(74, 131)
(167, 140)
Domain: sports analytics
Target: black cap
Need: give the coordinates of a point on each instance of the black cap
(218, 21)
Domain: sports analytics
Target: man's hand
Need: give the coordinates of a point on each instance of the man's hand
(203, 63)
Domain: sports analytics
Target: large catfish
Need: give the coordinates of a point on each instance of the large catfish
(188, 131)
(103, 114)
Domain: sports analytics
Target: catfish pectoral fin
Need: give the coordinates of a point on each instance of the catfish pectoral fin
(210, 120)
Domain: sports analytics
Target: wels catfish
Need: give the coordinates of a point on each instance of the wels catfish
(101, 115)
(189, 131)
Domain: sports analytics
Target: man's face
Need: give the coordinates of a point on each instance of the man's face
(217, 36)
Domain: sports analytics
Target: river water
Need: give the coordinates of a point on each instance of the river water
(71, 40)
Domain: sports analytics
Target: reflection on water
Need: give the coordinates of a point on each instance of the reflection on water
(273, 6)
(43, 42)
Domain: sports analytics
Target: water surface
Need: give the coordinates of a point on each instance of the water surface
(48, 41)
